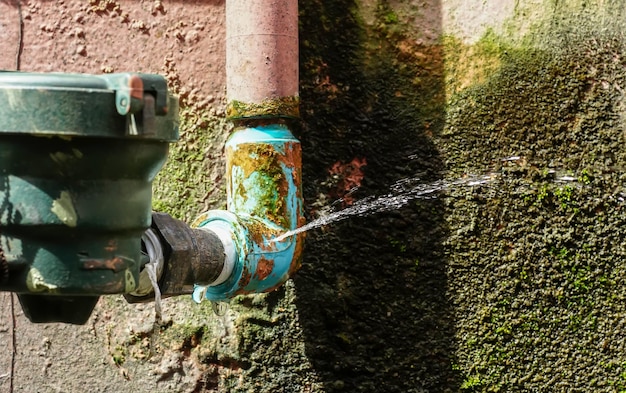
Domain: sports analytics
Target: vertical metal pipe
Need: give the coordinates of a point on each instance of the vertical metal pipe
(262, 58)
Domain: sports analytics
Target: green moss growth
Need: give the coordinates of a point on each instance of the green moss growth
(191, 181)
(118, 355)
(471, 65)
(185, 335)
(539, 263)
(282, 107)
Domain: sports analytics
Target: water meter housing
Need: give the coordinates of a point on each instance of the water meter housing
(78, 154)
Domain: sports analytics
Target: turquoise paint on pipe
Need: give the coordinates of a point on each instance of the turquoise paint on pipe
(263, 161)
(264, 201)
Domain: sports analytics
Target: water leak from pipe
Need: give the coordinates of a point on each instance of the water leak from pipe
(402, 192)
(406, 190)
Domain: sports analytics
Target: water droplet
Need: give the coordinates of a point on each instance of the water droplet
(198, 294)
(219, 308)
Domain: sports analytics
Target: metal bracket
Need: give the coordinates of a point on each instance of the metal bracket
(131, 90)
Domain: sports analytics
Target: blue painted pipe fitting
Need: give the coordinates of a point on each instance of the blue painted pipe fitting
(264, 195)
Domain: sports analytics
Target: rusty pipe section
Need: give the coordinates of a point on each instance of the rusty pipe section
(263, 158)
(264, 201)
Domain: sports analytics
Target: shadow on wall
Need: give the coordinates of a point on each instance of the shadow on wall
(372, 291)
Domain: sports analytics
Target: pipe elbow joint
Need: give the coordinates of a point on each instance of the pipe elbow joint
(254, 263)
(264, 196)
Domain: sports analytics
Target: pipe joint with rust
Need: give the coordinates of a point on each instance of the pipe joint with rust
(264, 201)
(181, 257)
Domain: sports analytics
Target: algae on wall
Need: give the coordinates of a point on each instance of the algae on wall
(372, 291)
(191, 182)
(536, 259)
(529, 293)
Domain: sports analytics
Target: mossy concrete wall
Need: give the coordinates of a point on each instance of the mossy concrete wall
(517, 285)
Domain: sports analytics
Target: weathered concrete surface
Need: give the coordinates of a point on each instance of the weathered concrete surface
(517, 286)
